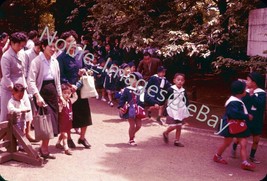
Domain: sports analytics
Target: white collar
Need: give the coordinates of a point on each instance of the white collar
(43, 58)
(132, 88)
(233, 98)
(177, 89)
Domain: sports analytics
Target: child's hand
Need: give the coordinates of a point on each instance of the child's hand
(250, 117)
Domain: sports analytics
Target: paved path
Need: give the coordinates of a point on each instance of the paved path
(110, 158)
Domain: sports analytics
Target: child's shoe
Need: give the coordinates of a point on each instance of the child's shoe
(111, 104)
(177, 143)
(247, 166)
(132, 143)
(103, 99)
(219, 159)
(254, 160)
(67, 152)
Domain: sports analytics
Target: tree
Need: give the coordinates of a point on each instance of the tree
(196, 28)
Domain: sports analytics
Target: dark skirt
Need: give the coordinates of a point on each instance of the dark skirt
(81, 112)
(50, 96)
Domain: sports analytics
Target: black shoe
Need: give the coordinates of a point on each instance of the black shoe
(84, 143)
(71, 143)
(47, 155)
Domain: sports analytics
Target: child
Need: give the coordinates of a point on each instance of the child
(99, 75)
(65, 117)
(110, 82)
(17, 105)
(157, 99)
(255, 101)
(129, 96)
(121, 82)
(176, 108)
(235, 109)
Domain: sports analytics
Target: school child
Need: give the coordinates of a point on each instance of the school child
(176, 108)
(132, 67)
(65, 117)
(235, 109)
(255, 101)
(18, 106)
(110, 82)
(156, 99)
(99, 75)
(121, 82)
(130, 97)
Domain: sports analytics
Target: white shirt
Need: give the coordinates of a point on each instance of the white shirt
(47, 68)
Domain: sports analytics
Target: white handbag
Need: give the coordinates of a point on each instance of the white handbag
(88, 88)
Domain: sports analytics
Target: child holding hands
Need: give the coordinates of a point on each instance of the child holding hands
(65, 117)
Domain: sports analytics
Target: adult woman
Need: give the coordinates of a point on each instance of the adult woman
(71, 69)
(12, 66)
(44, 85)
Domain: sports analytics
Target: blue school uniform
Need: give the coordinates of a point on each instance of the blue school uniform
(235, 109)
(99, 75)
(158, 97)
(128, 96)
(110, 80)
(255, 105)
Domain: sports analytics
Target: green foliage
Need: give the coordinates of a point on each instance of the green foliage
(256, 63)
(196, 28)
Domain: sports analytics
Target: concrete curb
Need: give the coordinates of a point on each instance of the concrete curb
(210, 133)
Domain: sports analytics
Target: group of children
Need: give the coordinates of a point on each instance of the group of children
(244, 105)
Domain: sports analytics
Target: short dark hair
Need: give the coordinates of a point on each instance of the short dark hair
(18, 37)
(179, 74)
(3, 35)
(66, 35)
(65, 87)
(18, 88)
(238, 87)
(37, 42)
(45, 42)
(32, 34)
(147, 54)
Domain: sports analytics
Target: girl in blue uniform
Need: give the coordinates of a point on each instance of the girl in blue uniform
(130, 96)
(235, 109)
(156, 99)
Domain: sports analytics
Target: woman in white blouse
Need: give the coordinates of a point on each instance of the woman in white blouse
(44, 85)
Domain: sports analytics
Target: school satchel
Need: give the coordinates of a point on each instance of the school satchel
(139, 112)
(237, 126)
(88, 88)
(43, 128)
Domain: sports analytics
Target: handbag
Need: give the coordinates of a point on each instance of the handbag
(43, 128)
(237, 126)
(88, 88)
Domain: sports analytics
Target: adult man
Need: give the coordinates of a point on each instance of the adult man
(148, 66)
